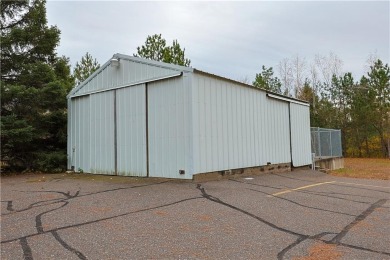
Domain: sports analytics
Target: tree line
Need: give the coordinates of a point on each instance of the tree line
(360, 108)
(35, 81)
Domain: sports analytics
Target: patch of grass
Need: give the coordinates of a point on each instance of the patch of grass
(366, 168)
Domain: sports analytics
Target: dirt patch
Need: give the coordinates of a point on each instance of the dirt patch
(321, 251)
(365, 168)
(161, 213)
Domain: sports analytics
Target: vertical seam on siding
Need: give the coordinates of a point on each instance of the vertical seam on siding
(115, 136)
(147, 129)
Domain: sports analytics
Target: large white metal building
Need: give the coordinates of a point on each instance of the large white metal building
(137, 117)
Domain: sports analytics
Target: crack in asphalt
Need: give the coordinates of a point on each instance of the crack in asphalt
(38, 218)
(217, 200)
(102, 219)
(9, 205)
(66, 194)
(69, 197)
(68, 247)
(302, 237)
(33, 205)
(260, 185)
(358, 219)
(27, 254)
(321, 194)
(290, 246)
(305, 206)
(298, 179)
(335, 184)
(336, 240)
(345, 194)
(300, 240)
(124, 188)
(358, 187)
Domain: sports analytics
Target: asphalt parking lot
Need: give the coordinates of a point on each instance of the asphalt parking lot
(297, 215)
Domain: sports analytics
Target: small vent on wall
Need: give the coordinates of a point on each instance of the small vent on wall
(181, 172)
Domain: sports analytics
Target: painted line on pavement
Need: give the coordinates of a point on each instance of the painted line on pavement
(300, 188)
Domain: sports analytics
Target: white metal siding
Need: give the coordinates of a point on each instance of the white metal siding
(169, 120)
(300, 134)
(69, 134)
(131, 131)
(277, 143)
(78, 149)
(196, 123)
(101, 122)
(128, 72)
(236, 127)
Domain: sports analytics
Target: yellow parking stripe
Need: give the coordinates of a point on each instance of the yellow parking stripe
(300, 188)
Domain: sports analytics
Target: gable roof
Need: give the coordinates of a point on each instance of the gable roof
(177, 69)
(119, 56)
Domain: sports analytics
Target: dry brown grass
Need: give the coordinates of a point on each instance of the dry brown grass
(367, 168)
(321, 251)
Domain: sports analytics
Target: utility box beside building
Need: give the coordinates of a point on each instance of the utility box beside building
(137, 117)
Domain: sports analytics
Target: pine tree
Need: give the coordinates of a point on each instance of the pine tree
(267, 81)
(85, 68)
(34, 84)
(155, 48)
(378, 81)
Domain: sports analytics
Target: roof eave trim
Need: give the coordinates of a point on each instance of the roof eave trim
(130, 58)
(82, 84)
(282, 97)
(130, 85)
(291, 100)
(201, 72)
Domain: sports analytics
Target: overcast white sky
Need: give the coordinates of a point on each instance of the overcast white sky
(231, 39)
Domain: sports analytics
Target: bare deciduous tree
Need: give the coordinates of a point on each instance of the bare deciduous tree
(314, 82)
(286, 77)
(299, 67)
(328, 66)
(371, 59)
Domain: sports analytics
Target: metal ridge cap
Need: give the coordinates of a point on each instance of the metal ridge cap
(153, 62)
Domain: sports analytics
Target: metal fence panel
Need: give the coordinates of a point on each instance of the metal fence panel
(326, 142)
(336, 139)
